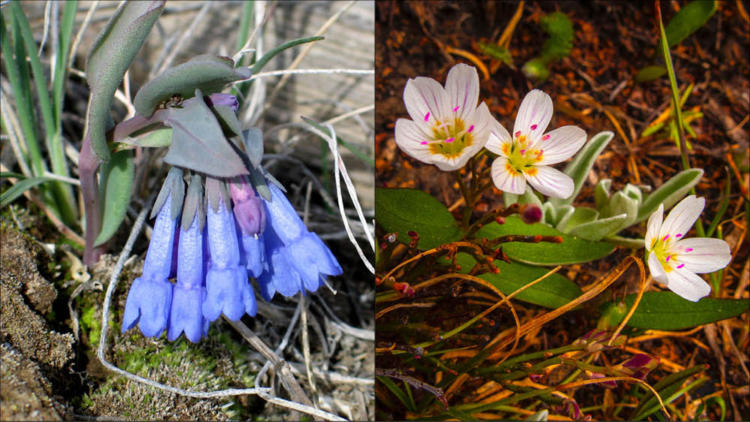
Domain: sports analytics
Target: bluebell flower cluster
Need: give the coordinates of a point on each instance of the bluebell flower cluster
(213, 244)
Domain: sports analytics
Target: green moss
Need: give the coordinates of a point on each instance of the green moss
(217, 362)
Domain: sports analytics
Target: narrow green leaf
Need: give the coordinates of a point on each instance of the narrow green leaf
(20, 187)
(669, 395)
(61, 61)
(497, 52)
(258, 66)
(625, 241)
(579, 168)
(670, 192)
(552, 292)
(117, 182)
(206, 72)
(688, 20)
(53, 140)
(110, 56)
(649, 73)
(668, 311)
(400, 394)
(354, 150)
(572, 250)
(723, 205)
(679, 137)
(666, 387)
(405, 210)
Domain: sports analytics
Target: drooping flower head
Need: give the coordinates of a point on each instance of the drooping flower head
(447, 127)
(227, 287)
(150, 297)
(298, 260)
(220, 243)
(674, 260)
(189, 292)
(526, 156)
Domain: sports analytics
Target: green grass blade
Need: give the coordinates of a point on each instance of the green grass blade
(61, 61)
(19, 188)
(258, 66)
(677, 112)
(393, 388)
(722, 207)
(19, 82)
(370, 162)
(63, 193)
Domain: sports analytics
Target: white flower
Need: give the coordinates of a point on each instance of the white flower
(673, 260)
(447, 127)
(525, 157)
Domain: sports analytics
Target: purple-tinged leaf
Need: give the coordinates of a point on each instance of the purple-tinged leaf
(198, 142)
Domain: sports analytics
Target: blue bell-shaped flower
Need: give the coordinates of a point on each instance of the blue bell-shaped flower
(150, 296)
(227, 288)
(299, 260)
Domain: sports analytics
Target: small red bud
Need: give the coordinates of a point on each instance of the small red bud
(531, 213)
(500, 219)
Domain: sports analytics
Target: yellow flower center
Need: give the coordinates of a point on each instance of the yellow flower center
(450, 137)
(521, 158)
(666, 254)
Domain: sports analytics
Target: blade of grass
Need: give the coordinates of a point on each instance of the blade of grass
(723, 205)
(61, 59)
(359, 154)
(393, 388)
(19, 83)
(63, 193)
(18, 75)
(21, 186)
(271, 54)
(675, 88)
(676, 103)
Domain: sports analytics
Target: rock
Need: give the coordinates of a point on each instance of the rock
(24, 294)
(26, 394)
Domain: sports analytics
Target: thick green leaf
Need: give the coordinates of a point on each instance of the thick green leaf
(598, 229)
(155, 139)
(668, 311)
(198, 142)
(601, 194)
(688, 20)
(649, 73)
(111, 55)
(20, 187)
(117, 183)
(552, 292)
(579, 168)
(404, 210)
(670, 192)
(580, 215)
(206, 72)
(572, 250)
